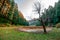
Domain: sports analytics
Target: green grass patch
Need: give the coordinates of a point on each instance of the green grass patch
(9, 33)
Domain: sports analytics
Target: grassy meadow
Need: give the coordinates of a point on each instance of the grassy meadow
(11, 33)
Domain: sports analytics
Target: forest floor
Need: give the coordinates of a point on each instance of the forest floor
(12, 33)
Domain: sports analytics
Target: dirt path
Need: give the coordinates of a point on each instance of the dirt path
(34, 29)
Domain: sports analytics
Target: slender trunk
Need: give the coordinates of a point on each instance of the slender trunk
(43, 26)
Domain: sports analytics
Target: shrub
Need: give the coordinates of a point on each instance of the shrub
(58, 25)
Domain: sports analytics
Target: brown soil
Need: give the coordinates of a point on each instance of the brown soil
(33, 29)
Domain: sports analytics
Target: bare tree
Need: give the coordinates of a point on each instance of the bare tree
(37, 8)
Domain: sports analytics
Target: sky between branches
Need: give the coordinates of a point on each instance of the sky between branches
(26, 7)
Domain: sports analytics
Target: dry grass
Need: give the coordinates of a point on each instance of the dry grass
(9, 33)
(8, 28)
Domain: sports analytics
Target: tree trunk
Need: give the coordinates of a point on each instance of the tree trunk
(43, 26)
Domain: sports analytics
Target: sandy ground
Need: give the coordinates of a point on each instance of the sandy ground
(34, 29)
